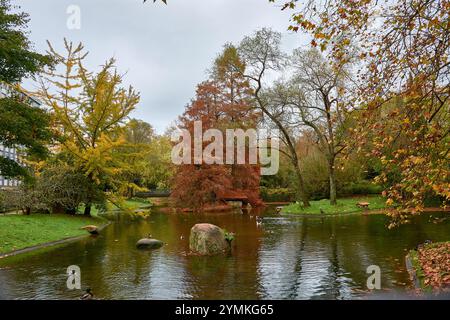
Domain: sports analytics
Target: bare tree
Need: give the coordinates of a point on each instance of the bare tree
(262, 55)
(316, 93)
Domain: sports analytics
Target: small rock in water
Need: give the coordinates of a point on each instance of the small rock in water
(91, 229)
(149, 244)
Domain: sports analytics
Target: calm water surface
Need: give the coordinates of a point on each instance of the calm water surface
(285, 258)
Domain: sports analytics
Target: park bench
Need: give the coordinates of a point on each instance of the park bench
(364, 205)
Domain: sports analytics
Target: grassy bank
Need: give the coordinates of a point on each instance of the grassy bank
(131, 204)
(20, 231)
(416, 273)
(431, 265)
(345, 205)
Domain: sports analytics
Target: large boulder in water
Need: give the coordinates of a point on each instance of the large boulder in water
(208, 239)
(149, 244)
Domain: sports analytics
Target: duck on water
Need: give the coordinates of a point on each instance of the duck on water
(88, 295)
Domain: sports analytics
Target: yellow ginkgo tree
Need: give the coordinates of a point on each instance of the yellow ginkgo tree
(90, 111)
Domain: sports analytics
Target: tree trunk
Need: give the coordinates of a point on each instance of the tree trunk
(71, 211)
(130, 193)
(57, 208)
(87, 210)
(301, 193)
(332, 177)
(27, 211)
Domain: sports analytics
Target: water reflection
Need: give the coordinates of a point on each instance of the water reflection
(284, 258)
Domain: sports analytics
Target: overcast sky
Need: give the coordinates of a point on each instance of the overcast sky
(164, 50)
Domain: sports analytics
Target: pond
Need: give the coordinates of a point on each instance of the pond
(286, 257)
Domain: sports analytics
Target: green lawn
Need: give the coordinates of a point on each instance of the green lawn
(20, 231)
(345, 205)
(131, 204)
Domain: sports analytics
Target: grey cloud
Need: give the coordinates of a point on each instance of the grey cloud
(164, 50)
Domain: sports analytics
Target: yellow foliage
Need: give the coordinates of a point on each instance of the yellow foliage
(90, 111)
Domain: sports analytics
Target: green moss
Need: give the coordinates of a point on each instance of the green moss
(20, 231)
(345, 205)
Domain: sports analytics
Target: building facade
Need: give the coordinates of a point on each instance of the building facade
(11, 153)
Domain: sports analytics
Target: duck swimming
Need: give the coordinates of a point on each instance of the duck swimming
(259, 220)
(88, 295)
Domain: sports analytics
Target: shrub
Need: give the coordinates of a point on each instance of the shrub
(2, 202)
(360, 188)
(58, 189)
(62, 189)
(229, 236)
(26, 198)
